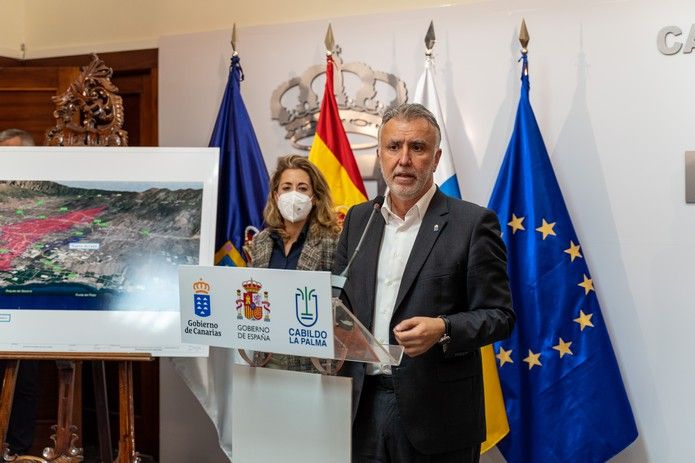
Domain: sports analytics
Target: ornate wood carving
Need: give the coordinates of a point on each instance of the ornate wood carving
(6, 394)
(89, 113)
(126, 441)
(64, 449)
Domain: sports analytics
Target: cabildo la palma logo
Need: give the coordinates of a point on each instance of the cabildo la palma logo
(202, 307)
(253, 305)
(306, 308)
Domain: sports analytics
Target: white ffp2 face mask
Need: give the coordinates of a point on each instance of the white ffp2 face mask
(294, 206)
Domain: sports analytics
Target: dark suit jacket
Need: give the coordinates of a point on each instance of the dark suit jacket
(458, 268)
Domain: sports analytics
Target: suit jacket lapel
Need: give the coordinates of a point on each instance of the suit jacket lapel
(432, 225)
(364, 269)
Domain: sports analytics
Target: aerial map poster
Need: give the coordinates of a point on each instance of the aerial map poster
(96, 245)
(91, 241)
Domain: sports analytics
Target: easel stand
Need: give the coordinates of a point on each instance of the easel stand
(66, 434)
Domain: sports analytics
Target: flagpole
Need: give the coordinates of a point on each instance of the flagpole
(427, 95)
(233, 41)
(243, 191)
(330, 150)
(523, 40)
(566, 400)
(430, 40)
(329, 41)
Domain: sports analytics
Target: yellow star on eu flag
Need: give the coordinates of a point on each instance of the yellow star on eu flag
(516, 223)
(584, 320)
(547, 229)
(573, 251)
(533, 359)
(587, 284)
(504, 356)
(563, 347)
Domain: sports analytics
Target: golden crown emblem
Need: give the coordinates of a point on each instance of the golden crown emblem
(201, 287)
(360, 111)
(252, 286)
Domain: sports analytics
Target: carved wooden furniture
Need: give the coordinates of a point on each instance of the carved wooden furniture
(89, 113)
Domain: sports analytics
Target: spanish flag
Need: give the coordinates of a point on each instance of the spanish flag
(331, 152)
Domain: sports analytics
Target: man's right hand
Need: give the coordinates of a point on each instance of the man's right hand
(418, 334)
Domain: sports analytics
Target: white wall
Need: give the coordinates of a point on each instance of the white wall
(616, 115)
(68, 27)
(13, 25)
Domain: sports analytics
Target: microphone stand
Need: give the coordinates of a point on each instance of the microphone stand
(338, 281)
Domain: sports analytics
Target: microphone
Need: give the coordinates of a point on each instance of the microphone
(338, 281)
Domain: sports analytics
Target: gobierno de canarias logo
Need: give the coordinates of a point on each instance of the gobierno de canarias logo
(201, 298)
(252, 304)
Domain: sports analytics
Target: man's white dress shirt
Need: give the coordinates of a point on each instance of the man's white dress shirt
(396, 244)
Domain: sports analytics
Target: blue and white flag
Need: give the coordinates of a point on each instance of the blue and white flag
(562, 386)
(426, 95)
(243, 191)
(445, 176)
(243, 180)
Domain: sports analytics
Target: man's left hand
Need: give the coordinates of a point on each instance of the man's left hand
(418, 334)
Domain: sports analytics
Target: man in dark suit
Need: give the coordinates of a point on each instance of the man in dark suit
(432, 277)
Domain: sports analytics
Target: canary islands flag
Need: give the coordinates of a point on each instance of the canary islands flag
(445, 177)
(331, 152)
(426, 94)
(243, 179)
(563, 390)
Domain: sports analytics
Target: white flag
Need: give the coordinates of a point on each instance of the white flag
(426, 95)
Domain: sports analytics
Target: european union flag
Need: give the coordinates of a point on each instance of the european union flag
(243, 179)
(563, 391)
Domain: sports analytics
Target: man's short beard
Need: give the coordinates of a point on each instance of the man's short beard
(411, 191)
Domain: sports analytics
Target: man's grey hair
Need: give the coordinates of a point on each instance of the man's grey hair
(23, 135)
(409, 112)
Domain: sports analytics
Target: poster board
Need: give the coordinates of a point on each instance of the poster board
(90, 243)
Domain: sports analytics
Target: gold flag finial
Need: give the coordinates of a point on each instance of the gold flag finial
(523, 37)
(429, 39)
(329, 41)
(523, 40)
(233, 42)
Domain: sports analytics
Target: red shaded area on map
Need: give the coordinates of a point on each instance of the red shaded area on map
(17, 237)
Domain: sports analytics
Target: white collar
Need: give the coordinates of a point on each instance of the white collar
(417, 211)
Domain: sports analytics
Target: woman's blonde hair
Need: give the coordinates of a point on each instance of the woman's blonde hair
(322, 218)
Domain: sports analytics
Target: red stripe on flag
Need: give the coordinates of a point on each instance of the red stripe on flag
(330, 129)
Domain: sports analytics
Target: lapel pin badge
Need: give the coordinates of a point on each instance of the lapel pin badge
(436, 227)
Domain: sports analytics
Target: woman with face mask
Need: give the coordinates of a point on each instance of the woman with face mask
(301, 230)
